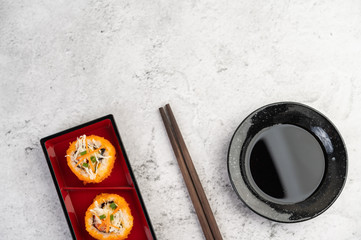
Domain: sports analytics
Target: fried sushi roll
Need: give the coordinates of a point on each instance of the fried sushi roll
(109, 217)
(91, 158)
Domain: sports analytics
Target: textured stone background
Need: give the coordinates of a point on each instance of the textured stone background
(63, 63)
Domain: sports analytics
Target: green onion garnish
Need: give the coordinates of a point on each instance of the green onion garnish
(111, 217)
(83, 153)
(85, 165)
(92, 158)
(102, 217)
(113, 206)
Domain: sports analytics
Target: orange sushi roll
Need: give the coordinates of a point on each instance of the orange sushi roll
(109, 217)
(91, 158)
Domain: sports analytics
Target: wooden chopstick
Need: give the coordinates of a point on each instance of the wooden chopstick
(187, 179)
(195, 179)
(190, 176)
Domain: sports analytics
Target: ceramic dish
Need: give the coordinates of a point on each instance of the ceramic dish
(76, 197)
(322, 131)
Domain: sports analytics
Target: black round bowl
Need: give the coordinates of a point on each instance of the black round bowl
(323, 131)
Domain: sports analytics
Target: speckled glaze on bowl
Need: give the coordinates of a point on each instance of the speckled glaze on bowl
(329, 139)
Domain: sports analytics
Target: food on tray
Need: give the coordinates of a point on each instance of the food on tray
(91, 158)
(109, 217)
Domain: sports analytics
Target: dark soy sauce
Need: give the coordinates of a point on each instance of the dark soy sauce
(285, 164)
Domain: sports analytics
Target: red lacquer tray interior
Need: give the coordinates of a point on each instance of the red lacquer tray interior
(77, 197)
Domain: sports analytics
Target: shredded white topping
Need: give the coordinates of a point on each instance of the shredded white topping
(81, 146)
(120, 218)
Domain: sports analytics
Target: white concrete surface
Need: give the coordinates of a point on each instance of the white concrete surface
(63, 63)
